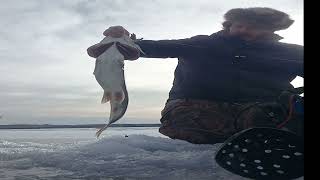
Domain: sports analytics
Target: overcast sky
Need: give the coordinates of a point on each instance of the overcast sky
(46, 74)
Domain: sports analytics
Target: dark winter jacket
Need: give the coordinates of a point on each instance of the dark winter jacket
(224, 68)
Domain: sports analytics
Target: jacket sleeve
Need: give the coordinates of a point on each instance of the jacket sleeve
(298, 52)
(290, 58)
(301, 67)
(173, 48)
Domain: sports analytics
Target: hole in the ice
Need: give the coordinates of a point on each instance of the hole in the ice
(243, 165)
(286, 156)
(224, 151)
(257, 161)
(228, 162)
(278, 149)
(297, 153)
(280, 172)
(244, 150)
(246, 171)
(263, 173)
(276, 166)
(260, 167)
(231, 155)
(241, 158)
(267, 151)
(229, 143)
(291, 146)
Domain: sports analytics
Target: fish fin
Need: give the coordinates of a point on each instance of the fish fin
(98, 133)
(119, 96)
(106, 97)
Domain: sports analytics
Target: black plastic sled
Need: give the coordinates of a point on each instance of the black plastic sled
(263, 153)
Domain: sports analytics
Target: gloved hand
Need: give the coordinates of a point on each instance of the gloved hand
(116, 31)
(292, 100)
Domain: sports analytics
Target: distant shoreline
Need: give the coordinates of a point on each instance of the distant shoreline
(48, 126)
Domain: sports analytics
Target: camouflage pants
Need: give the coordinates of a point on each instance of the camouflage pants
(204, 122)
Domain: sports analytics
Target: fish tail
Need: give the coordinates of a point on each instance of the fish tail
(98, 133)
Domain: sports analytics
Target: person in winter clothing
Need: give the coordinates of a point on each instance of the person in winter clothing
(231, 80)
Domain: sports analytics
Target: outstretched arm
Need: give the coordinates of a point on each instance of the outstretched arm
(174, 48)
(197, 45)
